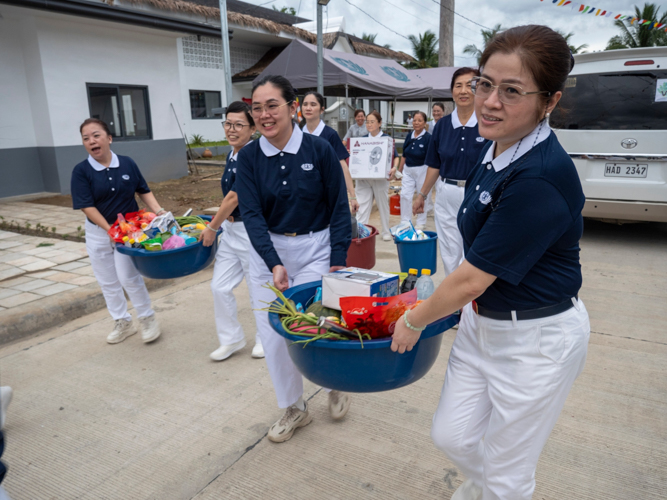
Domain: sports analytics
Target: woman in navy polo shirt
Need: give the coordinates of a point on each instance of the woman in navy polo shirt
(292, 196)
(455, 147)
(413, 159)
(232, 259)
(367, 189)
(522, 341)
(312, 108)
(103, 186)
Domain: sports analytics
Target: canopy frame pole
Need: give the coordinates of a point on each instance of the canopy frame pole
(226, 64)
(320, 62)
(393, 116)
(347, 111)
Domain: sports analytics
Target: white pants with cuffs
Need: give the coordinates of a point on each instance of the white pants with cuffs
(306, 258)
(505, 387)
(413, 180)
(366, 190)
(448, 200)
(115, 272)
(232, 264)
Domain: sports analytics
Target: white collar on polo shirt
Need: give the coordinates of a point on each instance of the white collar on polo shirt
(421, 133)
(292, 147)
(520, 148)
(379, 134)
(234, 155)
(456, 123)
(318, 129)
(99, 167)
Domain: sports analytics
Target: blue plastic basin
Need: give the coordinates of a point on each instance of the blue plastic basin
(168, 264)
(343, 365)
(418, 254)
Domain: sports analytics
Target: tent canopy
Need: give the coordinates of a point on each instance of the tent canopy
(366, 77)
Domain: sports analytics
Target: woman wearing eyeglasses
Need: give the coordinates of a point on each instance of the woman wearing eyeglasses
(293, 201)
(312, 108)
(232, 257)
(523, 336)
(454, 149)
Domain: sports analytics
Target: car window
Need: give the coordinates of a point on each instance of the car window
(613, 101)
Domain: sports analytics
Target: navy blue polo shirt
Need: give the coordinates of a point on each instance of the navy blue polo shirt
(331, 136)
(415, 148)
(110, 190)
(522, 223)
(228, 180)
(297, 190)
(455, 148)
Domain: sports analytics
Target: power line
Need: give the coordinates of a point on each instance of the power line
(437, 13)
(456, 13)
(383, 25)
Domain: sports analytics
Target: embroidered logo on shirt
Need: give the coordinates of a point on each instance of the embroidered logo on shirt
(234, 170)
(421, 145)
(480, 139)
(307, 166)
(485, 198)
(126, 177)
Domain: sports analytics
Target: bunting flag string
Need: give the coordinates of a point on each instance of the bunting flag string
(589, 9)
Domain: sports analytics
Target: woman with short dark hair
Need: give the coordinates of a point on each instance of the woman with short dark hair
(358, 128)
(523, 335)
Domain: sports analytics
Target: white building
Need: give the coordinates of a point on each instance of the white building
(143, 66)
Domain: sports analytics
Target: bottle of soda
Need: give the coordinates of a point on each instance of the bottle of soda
(409, 282)
(425, 285)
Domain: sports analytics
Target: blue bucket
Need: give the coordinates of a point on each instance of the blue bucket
(344, 365)
(418, 254)
(176, 263)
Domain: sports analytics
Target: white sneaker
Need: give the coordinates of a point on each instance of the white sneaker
(5, 398)
(224, 351)
(386, 237)
(467, 491)
(284, 428)
(150, 329)
(420, 227)
(339, 403)
(257, 351)
(122, 329)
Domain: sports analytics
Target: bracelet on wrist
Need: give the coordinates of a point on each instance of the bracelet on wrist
(413, 328)
(212, 229)
(423, 195)
(353, 198)
(160, 211)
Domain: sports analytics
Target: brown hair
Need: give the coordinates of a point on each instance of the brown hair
(357, 111)
(543, 52)
(462, 71)
(375, 115)
(97, 121)
(423, 115)
(440, 105)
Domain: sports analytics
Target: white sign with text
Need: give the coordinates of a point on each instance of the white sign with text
(370, 157)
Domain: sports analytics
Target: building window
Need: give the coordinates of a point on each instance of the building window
(123, 108)
(202, 103)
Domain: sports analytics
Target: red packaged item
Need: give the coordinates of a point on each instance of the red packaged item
(129, 223)
(376, 316)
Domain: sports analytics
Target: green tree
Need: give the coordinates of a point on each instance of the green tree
(573, 48)
(633, 36)
(286, 10)
(473, 51)
(424, 50)
(370, 37)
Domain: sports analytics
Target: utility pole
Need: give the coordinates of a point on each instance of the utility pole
(226, 65)
(320, 49)
(446, 49)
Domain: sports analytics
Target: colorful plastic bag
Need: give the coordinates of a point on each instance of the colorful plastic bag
(374, 315)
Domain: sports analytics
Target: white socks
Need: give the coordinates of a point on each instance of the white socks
(300, 404)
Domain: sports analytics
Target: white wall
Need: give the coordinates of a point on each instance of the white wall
(410, 106)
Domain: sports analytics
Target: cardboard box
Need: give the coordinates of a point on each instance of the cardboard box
(355, 282)
(371, 157)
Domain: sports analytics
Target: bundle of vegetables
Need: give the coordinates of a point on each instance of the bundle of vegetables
(309, 325)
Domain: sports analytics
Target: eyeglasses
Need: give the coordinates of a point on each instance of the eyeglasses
(271, 108)
(236, 127)
(507, 93)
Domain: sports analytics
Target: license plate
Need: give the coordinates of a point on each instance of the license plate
(625, 170)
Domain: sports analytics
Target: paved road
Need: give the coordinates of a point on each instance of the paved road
(131, 421)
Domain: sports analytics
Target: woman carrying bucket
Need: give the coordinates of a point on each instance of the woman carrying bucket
(367, 189)
(414, 153)
(292, 196)
(103, 186)
(454, 149)
(232, 257)
(524, 332)
(312, 108)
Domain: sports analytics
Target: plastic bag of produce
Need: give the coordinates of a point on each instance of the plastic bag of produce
(374, 315)
(174, 241)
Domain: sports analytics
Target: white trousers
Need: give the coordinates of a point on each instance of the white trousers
(115, 272)
(366, 190)
(504, 390)
(413, 180)
(306, 258)
(448, 200)
(232, 262)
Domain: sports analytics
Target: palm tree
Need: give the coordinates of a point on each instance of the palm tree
(573, 48)
(634, 36)
(425, 51)
(473, 51)
(286, 10)
(370, 37)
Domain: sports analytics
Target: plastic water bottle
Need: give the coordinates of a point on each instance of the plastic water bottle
(410, 282)
(425, 286)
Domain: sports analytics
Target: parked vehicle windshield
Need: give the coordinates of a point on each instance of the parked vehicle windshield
(614, 101)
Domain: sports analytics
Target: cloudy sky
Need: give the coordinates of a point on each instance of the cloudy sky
(407, 17)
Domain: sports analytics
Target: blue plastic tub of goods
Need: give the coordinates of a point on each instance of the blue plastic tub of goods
(344, 365)
(418, 254)
(168, 264)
